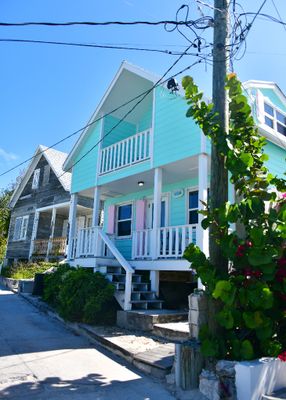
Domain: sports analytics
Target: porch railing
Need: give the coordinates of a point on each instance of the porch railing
(129, 151)
(52, 247)
(172, 241)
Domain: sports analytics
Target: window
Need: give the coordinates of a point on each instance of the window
(275, 119)
(20, 228)
(46, 176)
(193, 207)
(124, 219)
(36, 179)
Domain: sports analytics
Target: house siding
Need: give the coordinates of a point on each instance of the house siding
(175, 136)
(85, 164)
(121, 132)
(45, 195)
(276, 163)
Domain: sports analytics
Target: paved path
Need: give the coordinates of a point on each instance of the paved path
(41, 360)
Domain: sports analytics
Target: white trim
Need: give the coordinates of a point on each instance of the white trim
(124, 66)
(59, 205)
(22, 234)
(36, 178)
(187, 191)
(253, 84)
(153, 128)
(125, 203)
(99, 148)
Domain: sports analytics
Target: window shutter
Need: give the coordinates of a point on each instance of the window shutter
(24, 227)
(140, 214)
(17, 228)
(36, 178)
(111, 219)
(260, 107)
(46, 177)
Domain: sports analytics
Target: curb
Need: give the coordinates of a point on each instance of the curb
(86, 331)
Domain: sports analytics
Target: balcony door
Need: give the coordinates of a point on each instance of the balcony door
(150, 213)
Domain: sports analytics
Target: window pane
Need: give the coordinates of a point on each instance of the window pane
(269, 122)
(124, 212)
(281, 129)
(280, 117)
(193, 217)
(193, 199)
(268, 109)
(124, 228)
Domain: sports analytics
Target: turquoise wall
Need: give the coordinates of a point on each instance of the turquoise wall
(175, 136)
(273, 98)
(276, 163)
(84, 170)
(177, 212)
(123, 131)
(146, 121)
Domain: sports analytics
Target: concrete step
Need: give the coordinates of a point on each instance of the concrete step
(278, 395)
(136, 278)
(146, 304)
(143, 295)
(178, 331)
(145, 320)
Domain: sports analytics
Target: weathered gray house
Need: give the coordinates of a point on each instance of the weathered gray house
(40, 210)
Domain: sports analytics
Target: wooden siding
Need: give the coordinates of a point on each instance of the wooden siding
(31, 199)
(84, 172)
(123, 131)
(175, 136)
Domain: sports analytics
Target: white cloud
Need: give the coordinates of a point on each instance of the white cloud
(7, 156)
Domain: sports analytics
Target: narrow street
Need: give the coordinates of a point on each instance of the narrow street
(40, 359)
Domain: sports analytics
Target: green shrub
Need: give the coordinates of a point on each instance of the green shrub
(80, 295)
(26, 270)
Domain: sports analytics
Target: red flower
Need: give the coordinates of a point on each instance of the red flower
(282, 356)
(281, 262)
(251, 272)
(240, 251)
(281, 274)
(249, 243)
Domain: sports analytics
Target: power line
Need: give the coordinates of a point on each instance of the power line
(92, 45)
(197, 23)
(96, 120)
(278, 13)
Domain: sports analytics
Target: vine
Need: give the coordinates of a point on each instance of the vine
(252, 296)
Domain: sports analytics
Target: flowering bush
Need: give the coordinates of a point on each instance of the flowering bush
(251, 297)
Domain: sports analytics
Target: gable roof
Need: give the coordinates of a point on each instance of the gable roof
(265, 85)
(125, 66)
(55, 159)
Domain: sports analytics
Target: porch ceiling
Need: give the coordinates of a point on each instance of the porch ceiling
(174, 172)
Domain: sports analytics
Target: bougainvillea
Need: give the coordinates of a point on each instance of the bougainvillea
(251, 297)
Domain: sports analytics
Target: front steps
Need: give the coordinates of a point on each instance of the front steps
(142, 298)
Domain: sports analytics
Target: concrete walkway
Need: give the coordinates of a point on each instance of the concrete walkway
(40, 360)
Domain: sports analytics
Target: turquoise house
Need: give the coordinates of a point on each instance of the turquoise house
(146, 166)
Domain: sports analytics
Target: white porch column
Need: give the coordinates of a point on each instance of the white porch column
(34, 232)
(154, 278)
(95, 217)
(157, 211)
(53, 223)
(72, 225)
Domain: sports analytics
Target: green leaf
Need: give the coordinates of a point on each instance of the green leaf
(247, 159)
(225, 318)
(210, 348)
(246, 351)
(225, 291)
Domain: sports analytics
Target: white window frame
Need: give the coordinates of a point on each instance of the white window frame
(273, 118)
(23, 228)
(123, 220)
(36, 178)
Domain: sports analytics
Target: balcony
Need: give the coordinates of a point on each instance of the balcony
(127, 152)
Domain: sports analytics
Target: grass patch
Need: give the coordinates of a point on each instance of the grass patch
(26, 270)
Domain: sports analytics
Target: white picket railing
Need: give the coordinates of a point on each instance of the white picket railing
(172, 241)
(142, 243)
(129, 151)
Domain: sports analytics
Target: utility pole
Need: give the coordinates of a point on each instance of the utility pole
(219, 174)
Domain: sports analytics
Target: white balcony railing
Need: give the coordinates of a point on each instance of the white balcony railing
(142, 243)
(129, 151)
(172, 241)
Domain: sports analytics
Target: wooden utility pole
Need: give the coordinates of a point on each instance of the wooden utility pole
(219, 174)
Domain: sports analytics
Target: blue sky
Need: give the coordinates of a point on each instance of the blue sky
(48, 92)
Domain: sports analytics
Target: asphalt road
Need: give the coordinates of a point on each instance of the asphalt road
(40, 359)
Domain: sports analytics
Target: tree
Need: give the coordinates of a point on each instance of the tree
(5, 195)
(250, 296)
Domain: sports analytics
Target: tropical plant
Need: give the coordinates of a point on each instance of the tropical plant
(250, 298)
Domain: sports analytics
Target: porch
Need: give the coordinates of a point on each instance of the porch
(50, 231)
